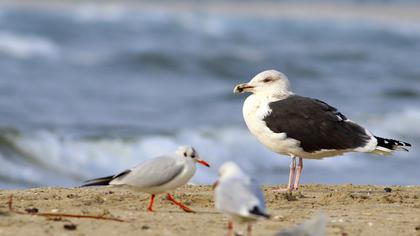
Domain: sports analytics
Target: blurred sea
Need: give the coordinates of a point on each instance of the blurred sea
(91, 89)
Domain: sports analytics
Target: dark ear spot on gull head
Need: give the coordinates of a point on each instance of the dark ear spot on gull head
(269, 79)
(190, 152)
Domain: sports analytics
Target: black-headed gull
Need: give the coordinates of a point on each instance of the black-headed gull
(238, 196)
(157, 175)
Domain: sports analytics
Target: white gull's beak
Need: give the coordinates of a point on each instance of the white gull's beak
(242, 88)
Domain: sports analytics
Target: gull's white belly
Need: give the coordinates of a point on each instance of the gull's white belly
(254, 111)
(254, 114)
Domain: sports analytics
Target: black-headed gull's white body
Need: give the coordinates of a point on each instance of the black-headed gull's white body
(238, 196)
(157, 175)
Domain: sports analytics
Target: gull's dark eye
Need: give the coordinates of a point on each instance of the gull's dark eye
(185, 154)
(266, 80)
(193, 156)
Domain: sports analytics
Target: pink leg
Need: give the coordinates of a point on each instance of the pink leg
(230, 228)
(249, 229)
(291, 177)
(298, 172)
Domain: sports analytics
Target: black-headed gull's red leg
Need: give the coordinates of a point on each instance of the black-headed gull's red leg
(152, 198)
(185, 208)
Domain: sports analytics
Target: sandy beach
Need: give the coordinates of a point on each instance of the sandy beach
(351, 210)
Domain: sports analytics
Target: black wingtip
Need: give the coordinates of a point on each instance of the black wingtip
(266, 216)
(104, 180)
(392, 144)
(98, 182)
(258, 212)
(93, 184)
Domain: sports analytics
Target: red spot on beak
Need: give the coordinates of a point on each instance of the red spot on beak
(203, 163)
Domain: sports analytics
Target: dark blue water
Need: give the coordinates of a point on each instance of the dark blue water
(87, 91)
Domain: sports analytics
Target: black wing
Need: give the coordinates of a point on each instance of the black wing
(315, 124)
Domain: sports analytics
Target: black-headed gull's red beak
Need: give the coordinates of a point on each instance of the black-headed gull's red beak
(201, 162)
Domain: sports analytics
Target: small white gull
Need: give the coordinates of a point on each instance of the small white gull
(157, 175)
(238, 196)
(303, 127)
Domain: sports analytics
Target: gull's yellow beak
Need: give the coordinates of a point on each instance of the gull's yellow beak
(241, 88)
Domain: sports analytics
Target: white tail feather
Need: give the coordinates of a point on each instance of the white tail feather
(382, 151)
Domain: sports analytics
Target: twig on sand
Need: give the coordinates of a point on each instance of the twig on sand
(11, 209)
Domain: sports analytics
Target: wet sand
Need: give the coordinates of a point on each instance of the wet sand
(351, 210)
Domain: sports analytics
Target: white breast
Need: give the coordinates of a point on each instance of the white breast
(254, 111)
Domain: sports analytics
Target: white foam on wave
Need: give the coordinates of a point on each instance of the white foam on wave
(26, 46)
(80, 158)
(76, 159)
(404, 123)
(15, 172)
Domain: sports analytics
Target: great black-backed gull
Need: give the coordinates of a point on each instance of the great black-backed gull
(303, 127)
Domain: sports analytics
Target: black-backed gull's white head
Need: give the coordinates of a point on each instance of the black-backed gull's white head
(269, 82)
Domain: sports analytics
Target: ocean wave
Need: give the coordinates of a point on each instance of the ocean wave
(404, 123)
(39, 155)
(222, 20)
(100, 13)
(81, 158)
(408, 93)
(26, 46)
(153, 59)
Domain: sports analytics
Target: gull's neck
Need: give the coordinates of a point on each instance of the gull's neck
(190, 165)
(271, 97)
